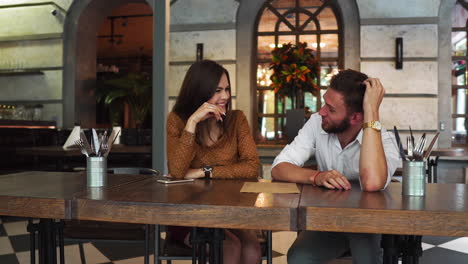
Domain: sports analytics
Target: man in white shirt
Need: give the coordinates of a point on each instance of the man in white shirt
(348, 143)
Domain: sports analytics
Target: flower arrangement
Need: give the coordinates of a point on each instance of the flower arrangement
(295, 71)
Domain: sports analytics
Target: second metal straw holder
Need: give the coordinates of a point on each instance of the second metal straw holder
(414, 178)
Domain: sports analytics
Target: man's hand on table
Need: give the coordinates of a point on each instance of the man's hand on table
(332, 179)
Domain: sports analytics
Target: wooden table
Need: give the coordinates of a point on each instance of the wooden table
(219, 204)
(47, 195)
(432, 161)
(442, 212)
(141, 199)
(216, 203)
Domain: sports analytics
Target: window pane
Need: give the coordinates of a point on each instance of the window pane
(267, 21)
(288, 103)
(281, 127)
(284, 104)
(322, 92)
(264, 46)
(459, 136)
(459, 72)
(310, 26)
(310, 3)
(263, 74)
(459, 43)
(329, 45)
(461, 102)
(266, 101)
(310, 103)
(311, 10)
(459, 16)
(327, 71)
(327, 19)
(286, 39)
(311, 41)
(285, 8)
(267, 128)
(284, 28)
(281, 105)
(460, 125)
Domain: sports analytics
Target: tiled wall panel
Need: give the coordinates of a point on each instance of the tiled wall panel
(415, 77)
(420, 113)
(204, 11)
(398, 8)
(217, 45)
(31, 54)
(177, 74)
(47, 86)
(379, 41)
(36, 21)
(65, 4)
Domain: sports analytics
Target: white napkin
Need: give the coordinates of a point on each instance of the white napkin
(74, 135)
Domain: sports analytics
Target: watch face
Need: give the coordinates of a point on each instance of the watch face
(377, 125)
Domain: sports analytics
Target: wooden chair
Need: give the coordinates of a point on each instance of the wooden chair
(87, 231)
(168, 250)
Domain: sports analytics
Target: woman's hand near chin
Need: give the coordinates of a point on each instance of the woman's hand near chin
(204, 112)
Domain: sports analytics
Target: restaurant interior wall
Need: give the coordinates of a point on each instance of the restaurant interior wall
(211, 23)
(412, 92)
(31, 54)
(413, 97)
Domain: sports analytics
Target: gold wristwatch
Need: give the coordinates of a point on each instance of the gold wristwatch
(373, 124)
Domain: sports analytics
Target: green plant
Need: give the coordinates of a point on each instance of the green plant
(134, 89)
(295, 71)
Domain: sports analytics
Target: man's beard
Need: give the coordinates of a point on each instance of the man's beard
(339, 128)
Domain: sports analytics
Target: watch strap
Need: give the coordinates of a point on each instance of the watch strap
(372, 124)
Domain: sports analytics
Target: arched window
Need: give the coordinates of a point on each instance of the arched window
(459, 74)
(316, 22)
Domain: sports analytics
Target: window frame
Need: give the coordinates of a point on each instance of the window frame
(334, 6)
(455, 87)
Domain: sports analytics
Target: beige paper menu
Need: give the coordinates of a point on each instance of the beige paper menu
(270, 187)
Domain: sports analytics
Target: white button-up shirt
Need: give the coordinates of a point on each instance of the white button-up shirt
(312, 140)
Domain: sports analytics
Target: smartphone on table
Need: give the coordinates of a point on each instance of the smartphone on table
(170, 181)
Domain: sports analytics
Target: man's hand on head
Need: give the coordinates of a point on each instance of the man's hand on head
(373, 96)
(332, 179)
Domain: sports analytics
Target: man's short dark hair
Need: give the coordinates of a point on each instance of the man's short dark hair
(350, 84)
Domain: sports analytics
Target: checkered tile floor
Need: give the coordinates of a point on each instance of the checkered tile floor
(14, 248)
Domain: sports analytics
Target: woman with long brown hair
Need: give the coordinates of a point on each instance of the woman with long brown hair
(206, 139)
